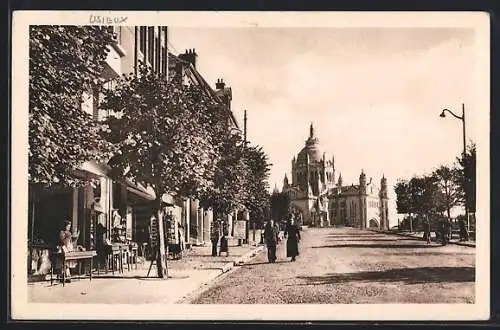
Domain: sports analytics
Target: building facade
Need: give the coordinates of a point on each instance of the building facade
(322, 199)
(102, 201)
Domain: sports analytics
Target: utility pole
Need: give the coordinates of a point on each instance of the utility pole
(247, 217)
(462, 118)
(245, 128)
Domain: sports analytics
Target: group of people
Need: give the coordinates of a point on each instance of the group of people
(292, 236)
(443, 231)
(219, 233)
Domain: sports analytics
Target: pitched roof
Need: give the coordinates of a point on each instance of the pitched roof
(198, 79)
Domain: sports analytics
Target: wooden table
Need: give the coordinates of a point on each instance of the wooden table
(115, 252)
(64, 257)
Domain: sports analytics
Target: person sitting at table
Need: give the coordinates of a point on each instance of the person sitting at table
(67, 240)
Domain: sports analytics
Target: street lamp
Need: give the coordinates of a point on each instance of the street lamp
(462, 118)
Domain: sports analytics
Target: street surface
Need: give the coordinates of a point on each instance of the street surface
(347, 265)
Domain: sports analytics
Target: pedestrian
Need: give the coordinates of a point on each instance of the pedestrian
(224, 246)
(271, 238)
(214, 236)
(464, 234)
(292, 234)
(67, 240)
(427, 231)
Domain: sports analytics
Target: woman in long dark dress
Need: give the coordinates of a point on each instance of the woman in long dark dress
(292, 234)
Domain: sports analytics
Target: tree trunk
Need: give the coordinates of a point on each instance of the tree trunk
(411, 223)
(161, 256)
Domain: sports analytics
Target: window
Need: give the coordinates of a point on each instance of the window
(151, 45)
(164, 60)
(156, 60)
(142, 38)
(101, 113)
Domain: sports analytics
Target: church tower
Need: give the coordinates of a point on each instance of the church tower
(363, 200)
(362, 183)
(384, 204)
(285, 183)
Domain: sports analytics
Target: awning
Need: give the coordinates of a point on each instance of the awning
(138, 189)
(168, 199)
(95, 168)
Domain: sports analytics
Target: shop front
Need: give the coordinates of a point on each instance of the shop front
(112, 220)
(52, 208)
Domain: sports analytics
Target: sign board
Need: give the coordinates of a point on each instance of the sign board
(153, 231)
(129, 224)
(240, 229)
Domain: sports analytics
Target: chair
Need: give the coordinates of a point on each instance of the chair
(133, 253)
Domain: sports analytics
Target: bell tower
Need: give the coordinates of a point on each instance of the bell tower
(363, 200)
(384, 204)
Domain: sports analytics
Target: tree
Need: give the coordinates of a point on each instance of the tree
(403, 201)
(256, 184)
(65, 61)
(281, 204)
(227, 191)
(405, 198)
(160, 131)
(466, 179)
(425, 196)
(446, 180)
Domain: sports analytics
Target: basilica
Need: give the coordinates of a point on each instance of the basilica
(321, 199)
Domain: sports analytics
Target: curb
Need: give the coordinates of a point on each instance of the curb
(248, 255)
(418, 238)
(223, 270)
(229, 265)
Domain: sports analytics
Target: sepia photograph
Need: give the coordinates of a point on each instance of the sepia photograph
(230, 165)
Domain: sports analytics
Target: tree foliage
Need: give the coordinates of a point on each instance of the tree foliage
(64, 62)
(227, 193)
(446, 178)
(159, 130)
(257, 186)
(420, 196)
(281, 205)
(466, 178)
(403, 200)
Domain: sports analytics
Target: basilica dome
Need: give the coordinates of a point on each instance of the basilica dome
(314, 151)
(312, 148)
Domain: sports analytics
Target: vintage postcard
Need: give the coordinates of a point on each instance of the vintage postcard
(232, 165)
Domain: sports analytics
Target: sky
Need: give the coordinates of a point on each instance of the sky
(374, 95)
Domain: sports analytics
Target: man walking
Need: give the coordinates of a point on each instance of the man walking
(271, 238)
(214, 236)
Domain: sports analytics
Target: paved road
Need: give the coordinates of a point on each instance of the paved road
(346, 265)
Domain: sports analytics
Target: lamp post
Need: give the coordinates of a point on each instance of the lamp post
(462, 118)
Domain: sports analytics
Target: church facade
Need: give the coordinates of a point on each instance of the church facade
(321, 199)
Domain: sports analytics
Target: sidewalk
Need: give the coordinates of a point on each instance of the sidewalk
(418, 235)
(196, 269)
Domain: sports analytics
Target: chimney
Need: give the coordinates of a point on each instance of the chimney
(189, 56)
(220, 84)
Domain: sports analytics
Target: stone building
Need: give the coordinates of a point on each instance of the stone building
(322, 199)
